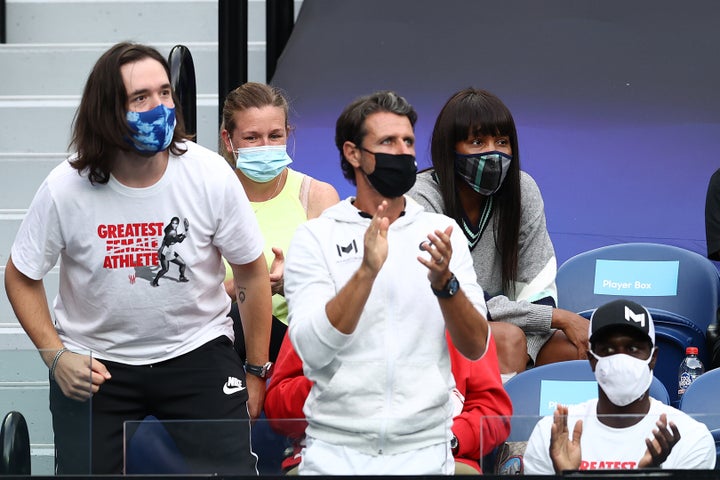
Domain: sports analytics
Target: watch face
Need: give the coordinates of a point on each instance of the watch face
(453, 285)
(451, 288)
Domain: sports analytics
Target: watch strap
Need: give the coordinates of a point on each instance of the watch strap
(450, 288)
(261, 371)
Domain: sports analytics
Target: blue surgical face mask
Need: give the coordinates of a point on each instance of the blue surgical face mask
(152, 130)
(484, 172)
(262, 164)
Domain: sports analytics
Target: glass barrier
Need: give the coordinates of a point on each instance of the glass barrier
(25, 388)
(502, 443)
(175, 447)
(210, 447)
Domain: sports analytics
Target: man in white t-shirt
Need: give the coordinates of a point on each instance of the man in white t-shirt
(624, 428)
(137, 346)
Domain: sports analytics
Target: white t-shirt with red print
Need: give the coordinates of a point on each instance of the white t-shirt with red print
(108, 238)
(607, 448)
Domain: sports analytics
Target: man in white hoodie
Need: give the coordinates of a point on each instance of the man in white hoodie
(372, 285)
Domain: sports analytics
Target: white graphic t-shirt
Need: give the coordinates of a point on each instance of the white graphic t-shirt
(140, 268)
(607, 448)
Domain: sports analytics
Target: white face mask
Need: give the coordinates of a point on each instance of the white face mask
(622, 377)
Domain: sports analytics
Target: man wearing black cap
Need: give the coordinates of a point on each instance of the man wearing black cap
(624, 428)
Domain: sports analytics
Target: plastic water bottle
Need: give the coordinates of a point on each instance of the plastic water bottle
(690, 368)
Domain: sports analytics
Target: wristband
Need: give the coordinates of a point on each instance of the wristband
(55, 362)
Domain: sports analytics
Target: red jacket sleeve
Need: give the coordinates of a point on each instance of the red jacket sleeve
(286, 393)
(484, 422)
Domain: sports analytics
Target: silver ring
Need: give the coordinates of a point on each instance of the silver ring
(440, 260)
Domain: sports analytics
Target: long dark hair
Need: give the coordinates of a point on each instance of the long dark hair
(100, 128)
(475, 112)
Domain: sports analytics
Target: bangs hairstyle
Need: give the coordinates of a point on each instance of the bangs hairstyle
(350, 126)
(249, 95)
(472, 113)
(100, 128)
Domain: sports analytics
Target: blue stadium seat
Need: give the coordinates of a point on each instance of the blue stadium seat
(680, 288)
(152, 451)
(700, 402)
(525, 392)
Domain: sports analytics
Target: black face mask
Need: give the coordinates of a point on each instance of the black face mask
(394, 175)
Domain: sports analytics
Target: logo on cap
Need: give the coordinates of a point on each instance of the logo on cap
(631, 316)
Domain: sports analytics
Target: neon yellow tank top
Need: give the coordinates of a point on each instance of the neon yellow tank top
(278, 218)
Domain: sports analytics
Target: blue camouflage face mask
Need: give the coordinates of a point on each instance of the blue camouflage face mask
(262, 164)
(152, 130)
(484, 172)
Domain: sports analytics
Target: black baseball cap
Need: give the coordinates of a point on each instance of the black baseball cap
(624, 313)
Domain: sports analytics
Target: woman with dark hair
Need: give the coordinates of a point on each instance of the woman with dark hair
(476, 179)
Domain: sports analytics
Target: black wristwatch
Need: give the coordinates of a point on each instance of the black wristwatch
(450, 289)
(454, 445)
(264, 371)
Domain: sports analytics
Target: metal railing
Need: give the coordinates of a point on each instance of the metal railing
(3, 21)
(232, 47)
(233, 41)
(279, 22)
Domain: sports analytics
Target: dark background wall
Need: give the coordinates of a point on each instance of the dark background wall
(616, 101)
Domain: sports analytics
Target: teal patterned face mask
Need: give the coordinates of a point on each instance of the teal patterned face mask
(484, 172)
(152, 130)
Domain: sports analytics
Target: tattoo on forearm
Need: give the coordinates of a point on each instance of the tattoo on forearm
(241, 294)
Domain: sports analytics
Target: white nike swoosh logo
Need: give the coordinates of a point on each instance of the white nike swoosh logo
(228, 390)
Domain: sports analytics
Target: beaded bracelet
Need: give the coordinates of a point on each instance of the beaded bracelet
(55, 362)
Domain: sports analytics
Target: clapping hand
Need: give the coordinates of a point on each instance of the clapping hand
(565, 452)
(659, 447)
(439, 246)
(376, 243)
(277, 269)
